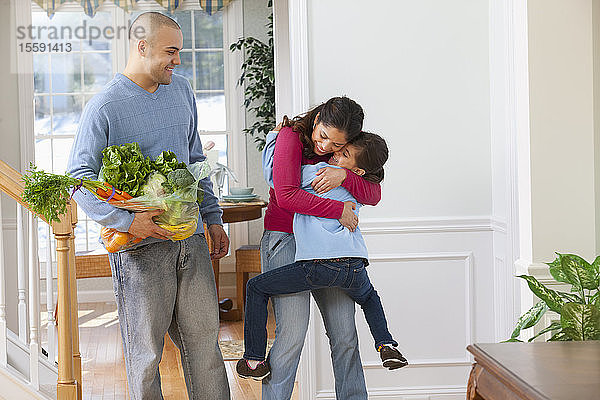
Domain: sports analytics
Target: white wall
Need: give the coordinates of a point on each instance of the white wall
(421, 71)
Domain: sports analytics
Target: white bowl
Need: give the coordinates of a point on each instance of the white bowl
(239, 191)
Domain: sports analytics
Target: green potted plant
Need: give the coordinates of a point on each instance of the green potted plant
(579, 309)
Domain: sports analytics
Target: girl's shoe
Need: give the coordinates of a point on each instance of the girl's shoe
(259, 373)
(392, 358)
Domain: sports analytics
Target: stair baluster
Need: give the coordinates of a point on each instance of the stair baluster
(34, 304)
(50, 299)
(3, 343)
(21, 281)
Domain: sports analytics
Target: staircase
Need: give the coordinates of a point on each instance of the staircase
(26, 372)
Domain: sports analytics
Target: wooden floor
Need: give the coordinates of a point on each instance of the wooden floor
(104, 369)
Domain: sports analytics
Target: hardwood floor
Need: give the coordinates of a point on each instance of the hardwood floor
(104, 369)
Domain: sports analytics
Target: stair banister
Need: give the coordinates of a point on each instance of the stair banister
(67, 384)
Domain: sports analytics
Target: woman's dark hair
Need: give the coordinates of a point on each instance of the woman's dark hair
(372, 155)
(341, 113)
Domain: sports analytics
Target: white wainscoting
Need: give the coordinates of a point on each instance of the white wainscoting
(435, 277)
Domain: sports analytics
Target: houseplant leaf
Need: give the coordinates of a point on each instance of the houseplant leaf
(580, 321)
(578, 271)
(596, 265)
(595, 299)
(557, 272)
(571, 297)
(552, 327)
(559, 336)
(530, 318)
(549, 296)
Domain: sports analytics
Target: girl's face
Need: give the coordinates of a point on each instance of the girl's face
(327, 139)
(346, 158)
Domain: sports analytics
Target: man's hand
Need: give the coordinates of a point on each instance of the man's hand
(220, 242)
(348, 218)
(328, 178)
(143, 226)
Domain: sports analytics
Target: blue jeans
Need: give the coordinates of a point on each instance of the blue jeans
(291, 315)
(350, 274)
(169, 287)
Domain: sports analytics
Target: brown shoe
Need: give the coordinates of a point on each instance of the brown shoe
(259, 373)
(392, 358)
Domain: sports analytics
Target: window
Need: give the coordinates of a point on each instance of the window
(63, 83)
(65, 80)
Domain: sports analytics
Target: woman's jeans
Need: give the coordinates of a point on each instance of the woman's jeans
(291, 315)
(169, 287)
(350, 274)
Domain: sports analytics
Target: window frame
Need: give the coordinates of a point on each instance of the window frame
(235, 113)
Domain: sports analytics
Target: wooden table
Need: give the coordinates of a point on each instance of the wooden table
(234, 212)
(535, 371)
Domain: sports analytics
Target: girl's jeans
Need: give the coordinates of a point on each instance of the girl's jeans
(291, 315)
(350, 274)
(169, 287)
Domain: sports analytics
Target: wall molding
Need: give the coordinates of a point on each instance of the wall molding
(469, 308)
(381, 226)
(10, 224)
(300, 98)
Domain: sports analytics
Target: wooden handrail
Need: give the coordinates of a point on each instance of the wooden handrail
(68, 386)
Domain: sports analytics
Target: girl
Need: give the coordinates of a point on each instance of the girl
(309, 139)
(327, 255)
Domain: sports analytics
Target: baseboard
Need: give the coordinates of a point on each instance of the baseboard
(414, 393)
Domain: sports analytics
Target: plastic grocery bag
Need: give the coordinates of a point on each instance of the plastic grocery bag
(180, 205)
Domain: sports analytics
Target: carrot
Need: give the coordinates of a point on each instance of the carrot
(105, 193)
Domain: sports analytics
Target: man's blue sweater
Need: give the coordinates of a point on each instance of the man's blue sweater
(122, 113)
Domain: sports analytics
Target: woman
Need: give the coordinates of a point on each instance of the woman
(309, 139)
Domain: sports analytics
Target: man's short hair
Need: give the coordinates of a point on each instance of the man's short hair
(147, 24)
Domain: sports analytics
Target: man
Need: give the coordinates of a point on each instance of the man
(160, 285)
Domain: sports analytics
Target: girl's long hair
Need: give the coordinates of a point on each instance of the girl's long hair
(341, 113)
(372, 156)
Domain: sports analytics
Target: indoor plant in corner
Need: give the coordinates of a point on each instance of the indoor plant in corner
(579, 309)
